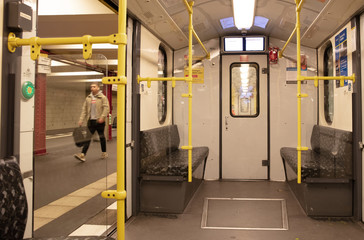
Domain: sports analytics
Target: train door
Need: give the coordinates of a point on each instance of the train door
(244, 117)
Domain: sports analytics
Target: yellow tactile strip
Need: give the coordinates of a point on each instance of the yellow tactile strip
(57, 208)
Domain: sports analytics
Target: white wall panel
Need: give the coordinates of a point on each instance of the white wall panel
(149, 68)
(283, 107)
(26, 119)
(205, 105)
(342, 95)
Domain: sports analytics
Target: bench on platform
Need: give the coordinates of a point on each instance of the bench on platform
(326, 168)
(164, 171)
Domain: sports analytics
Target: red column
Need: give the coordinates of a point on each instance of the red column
(40, 114)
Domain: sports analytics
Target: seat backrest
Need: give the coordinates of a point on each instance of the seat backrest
(334, 146)
(159, 141)
(13, 202)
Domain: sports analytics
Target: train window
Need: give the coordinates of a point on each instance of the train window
(328, 85)
(162, 85)
(244, 94)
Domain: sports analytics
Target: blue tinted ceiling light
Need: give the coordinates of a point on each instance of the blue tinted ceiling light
(227, 22)
(260, 21)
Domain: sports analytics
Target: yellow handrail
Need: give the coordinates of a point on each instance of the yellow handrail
(300, 78)
(120, 39)
(188, 79)
(280, 53)
(172, 79)
(199, 41)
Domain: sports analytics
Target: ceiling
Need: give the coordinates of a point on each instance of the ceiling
(168, 20)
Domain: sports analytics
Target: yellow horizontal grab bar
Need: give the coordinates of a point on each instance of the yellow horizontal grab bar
(140, 79)
(112, 39)
(172, 79)
(187, 95)
(317, 78)
(187, 147)
(302, 95)
(114, 80)
(35, 43)
(352, 77)
(114, 194)
(302, 148)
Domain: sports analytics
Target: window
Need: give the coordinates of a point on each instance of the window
(328, 85)
(244, 90)
(162, 85)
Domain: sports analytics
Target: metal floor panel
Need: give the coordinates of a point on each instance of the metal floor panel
(244, 214)
(187, 226)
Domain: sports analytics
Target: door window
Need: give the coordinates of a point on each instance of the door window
(244, 90)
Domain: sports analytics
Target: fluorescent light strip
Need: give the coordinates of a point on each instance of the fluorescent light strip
(68, 74)
(243, 13)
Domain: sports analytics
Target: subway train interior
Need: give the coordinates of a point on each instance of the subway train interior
(211, 129)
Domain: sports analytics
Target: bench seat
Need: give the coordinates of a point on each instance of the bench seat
(326, 173)
(175, 163)
(164, 171)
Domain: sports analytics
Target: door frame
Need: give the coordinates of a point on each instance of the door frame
(220, 107)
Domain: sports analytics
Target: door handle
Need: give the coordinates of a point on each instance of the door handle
(131, 144)
(226, 123)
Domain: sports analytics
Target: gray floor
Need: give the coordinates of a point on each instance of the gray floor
(188, 225)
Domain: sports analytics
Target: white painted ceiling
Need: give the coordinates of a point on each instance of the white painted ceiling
(168, 19)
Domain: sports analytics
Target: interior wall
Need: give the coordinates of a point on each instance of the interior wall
(149, 68)
(342, 100)
(205, 104)
(283, 106)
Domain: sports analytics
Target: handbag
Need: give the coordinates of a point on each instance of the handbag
(80, 136)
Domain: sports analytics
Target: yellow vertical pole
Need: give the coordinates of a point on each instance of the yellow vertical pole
(120, 141)
(298, 31)
(190, 32)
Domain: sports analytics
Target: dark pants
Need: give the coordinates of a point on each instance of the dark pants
(93, 126)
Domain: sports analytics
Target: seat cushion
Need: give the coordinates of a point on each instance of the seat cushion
(315, 165)
(309, 165)
(173, 164)
(13, 203)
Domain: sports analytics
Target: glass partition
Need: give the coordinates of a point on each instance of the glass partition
(68, 186)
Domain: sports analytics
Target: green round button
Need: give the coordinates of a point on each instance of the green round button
(28, 89)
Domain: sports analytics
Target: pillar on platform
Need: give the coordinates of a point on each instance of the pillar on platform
(40, 114)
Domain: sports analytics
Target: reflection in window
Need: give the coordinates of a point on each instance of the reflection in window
(162, 86)
(244, 97)
(328, 85)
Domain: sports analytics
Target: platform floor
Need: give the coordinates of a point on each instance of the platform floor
(67, 191)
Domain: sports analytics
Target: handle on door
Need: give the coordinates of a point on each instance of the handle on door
(226, 123)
